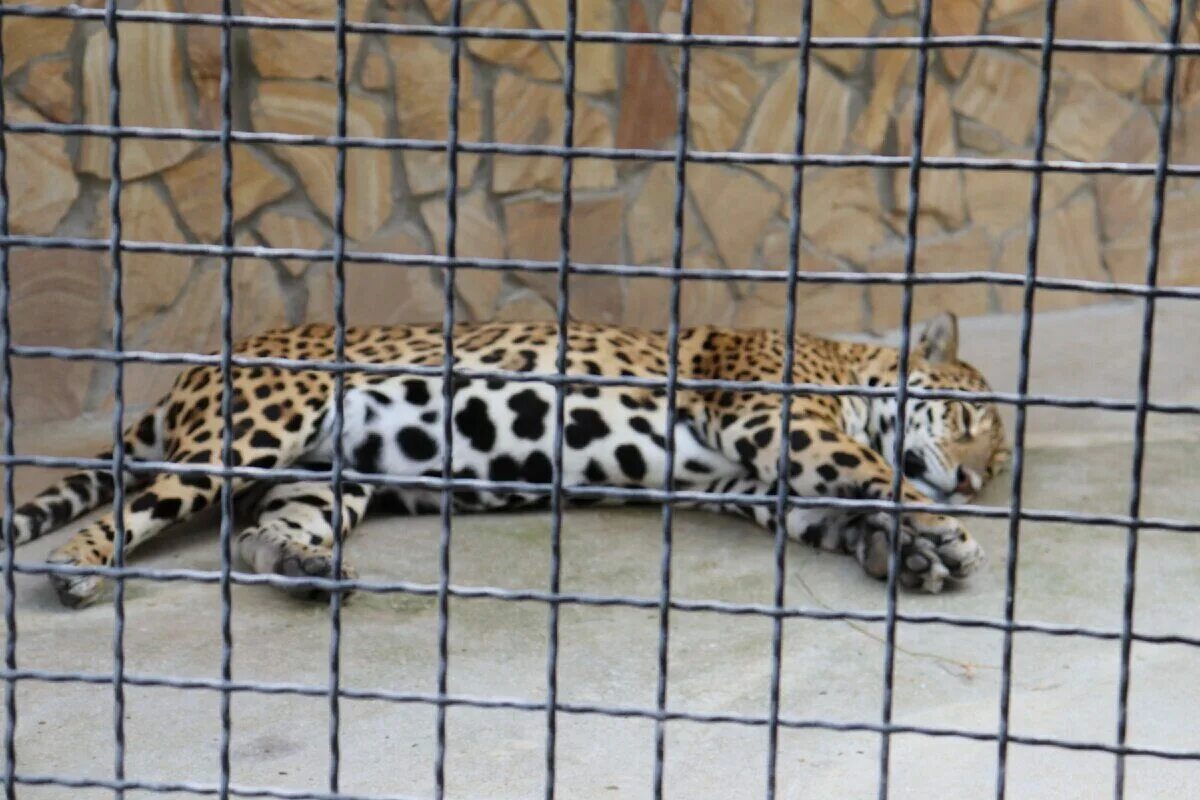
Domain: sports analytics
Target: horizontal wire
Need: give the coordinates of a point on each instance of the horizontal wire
(1116, 47)
(607, 153)
(700, 606)
(655, 496)
(174, 787)
(626, 381)
(624, 270)
(669, 715)
(663, 496)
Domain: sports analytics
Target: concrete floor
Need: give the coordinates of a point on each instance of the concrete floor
(945, 676)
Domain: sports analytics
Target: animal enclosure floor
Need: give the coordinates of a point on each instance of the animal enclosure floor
(945, 676)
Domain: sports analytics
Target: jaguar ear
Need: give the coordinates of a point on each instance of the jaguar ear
(939, 339)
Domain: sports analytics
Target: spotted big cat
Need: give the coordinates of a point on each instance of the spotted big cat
(725, 441)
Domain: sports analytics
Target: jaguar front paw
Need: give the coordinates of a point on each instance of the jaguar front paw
(933, 549)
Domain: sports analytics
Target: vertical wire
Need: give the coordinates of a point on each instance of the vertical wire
(1143, 393)
(339, 395)
(1026, 340)
(785, 416)
(118, 418)
(447, 498)
(664, 600)
(10, 586)
(226, 589)
(560, 365)
(910, 258)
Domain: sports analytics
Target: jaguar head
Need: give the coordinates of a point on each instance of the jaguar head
(952, 447)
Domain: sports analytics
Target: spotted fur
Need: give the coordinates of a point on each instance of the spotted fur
(726, 441)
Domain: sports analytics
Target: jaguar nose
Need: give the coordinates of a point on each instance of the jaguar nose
(966, 484)
(914, 464)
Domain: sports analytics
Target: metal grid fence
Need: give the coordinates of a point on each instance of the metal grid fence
(778, 611)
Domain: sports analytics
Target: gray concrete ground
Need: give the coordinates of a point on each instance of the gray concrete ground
(945, 676)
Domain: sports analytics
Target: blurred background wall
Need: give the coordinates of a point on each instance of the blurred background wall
(979, 103)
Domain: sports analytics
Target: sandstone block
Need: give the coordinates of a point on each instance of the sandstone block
(193, 322)
(525, 56)
(1124, 201)
(1085, 119)
(152, 95)
(1185, 141)
(820, 307)
(203, 46)
(842, 18)
(773, 129)
(438, 9)
(1121, 20)
(1187, 83)
(479, 236)
(781, 18)
(960, 18)
(525, 305)
(999, 201)
(403, 237)
(968, 251)
(422, 81)
(286, 229)
(428, 172)
(533, 234)
(195, 187)
(49, 90)
(1179, 247)
(941, 190)
(723, 92)
(479, 233)
(532, 226)
(379, 294)
(892, 70)
(275, 51)
(151, 282)
(26, 38)
(1000, 91)
(646, 104)
(1001, 9)
(58, 301)
(258, 302)
(595, 64)
(701, 302)
(709, 16)
(376, 72)
(42, 186)
(311, 108)
(392, 294)
(716, 190)
(842, 214)
(1160, 10)
(1069, 248)
(975, 136)
(650, 220)
(532, 113)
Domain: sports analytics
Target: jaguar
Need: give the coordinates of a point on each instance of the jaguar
(726, 440)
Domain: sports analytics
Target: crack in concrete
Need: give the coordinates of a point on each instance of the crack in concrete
(951, 666)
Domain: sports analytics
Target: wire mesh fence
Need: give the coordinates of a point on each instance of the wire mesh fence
(794, 279)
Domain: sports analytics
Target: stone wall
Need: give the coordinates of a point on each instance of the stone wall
(979, 103)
